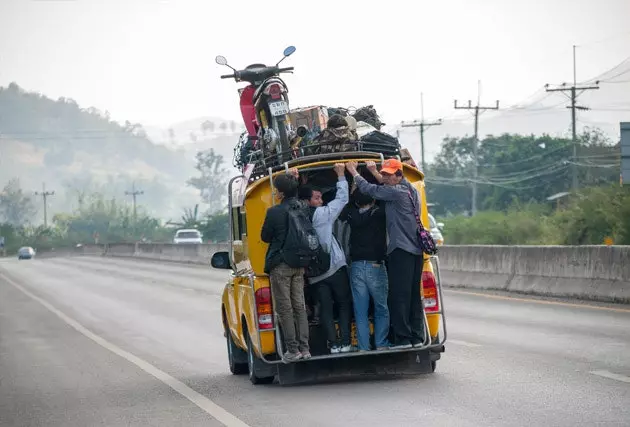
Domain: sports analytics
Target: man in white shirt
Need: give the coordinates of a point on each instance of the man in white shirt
(333, 286)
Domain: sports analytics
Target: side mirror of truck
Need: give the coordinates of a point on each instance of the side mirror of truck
(221, 260)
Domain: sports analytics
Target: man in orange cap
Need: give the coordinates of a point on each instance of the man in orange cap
(404, 253)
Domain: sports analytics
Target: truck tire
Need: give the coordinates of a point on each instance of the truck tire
(252, 362)
(235, 356)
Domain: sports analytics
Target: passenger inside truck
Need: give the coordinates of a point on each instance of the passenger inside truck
(325, 181)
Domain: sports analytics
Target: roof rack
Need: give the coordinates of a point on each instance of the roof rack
(265, 166)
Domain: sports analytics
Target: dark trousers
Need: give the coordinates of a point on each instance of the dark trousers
(335, 290)
(405, 305)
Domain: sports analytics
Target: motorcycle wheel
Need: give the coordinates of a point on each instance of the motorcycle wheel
(281, 127)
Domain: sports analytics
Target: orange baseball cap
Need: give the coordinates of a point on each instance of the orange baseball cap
(391, 166)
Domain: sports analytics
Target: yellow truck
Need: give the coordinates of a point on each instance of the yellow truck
(254, 339)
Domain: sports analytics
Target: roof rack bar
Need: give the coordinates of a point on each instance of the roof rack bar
(273, 190)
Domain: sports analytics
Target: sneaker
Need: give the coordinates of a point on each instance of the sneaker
(383, 348)
(345, 349)
(292, 357)
(306, 354)
(417, 344)
(335, 349)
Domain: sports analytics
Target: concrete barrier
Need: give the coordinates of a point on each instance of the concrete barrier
(599, 273)
(184, 253)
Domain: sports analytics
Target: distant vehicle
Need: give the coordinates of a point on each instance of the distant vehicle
(187, 236)
(26, 252)
(436, 230)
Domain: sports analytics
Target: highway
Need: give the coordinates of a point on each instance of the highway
(113, 342)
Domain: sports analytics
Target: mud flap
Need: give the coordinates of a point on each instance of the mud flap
(368, 365)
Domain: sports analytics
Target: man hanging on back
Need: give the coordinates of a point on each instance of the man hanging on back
(287, 281)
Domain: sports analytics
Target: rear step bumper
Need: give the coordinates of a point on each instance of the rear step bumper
(436, 349)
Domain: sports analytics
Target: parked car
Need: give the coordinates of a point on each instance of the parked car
(436, 230)
(26, 252)
(187, 236)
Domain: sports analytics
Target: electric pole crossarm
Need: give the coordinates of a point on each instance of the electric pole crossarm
(45, 194)
(477, 108)
(568, 89)
(423, 126)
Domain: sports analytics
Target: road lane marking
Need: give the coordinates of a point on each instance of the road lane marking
(566, 304)
(462, 343)
(205, 404)
(611, 375)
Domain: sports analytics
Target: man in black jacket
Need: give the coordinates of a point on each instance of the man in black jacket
(368, 274)
(287, 283)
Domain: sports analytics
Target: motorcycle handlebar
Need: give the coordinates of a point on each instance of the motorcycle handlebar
(239, 74)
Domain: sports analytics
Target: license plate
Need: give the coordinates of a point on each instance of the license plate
(279, 108)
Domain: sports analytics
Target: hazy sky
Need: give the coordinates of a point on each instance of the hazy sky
(153, 61)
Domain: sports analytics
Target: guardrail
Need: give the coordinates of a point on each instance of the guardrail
(599, 273)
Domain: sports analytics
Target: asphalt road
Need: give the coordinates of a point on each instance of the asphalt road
(92, 341)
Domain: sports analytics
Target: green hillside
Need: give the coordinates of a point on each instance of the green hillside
(77, 150)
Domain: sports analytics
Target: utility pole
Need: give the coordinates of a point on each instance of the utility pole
(477, 108)
(573, 97)
(45, 195)
(423, 126)
(133, 193)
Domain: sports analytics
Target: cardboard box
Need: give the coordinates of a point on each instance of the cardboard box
(314, 118)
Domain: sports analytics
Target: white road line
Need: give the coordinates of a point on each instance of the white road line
(462, 343)
(207, 405)
(611, 375)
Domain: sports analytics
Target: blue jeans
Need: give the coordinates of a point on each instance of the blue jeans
(370, 279)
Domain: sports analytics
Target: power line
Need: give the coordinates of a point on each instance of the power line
(45, 194)
(574, 107)
(422, 125)
(477, 109)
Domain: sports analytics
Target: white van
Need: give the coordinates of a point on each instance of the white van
(187, 236)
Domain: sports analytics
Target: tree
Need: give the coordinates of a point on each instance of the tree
(215, 228)
(190, 219)
(207, 126)
(171, 135)
(213, 180)
(516, 168)
(16, 208)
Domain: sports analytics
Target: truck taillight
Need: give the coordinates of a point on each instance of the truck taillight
(275, 91)
(430, 292)
(264, 308)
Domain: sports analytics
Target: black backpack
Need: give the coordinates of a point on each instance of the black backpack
(381, 142)
(301, 244)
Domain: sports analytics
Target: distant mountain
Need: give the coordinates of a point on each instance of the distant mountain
(75, 150)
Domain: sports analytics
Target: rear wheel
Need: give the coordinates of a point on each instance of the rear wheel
(235, 356)
(284, 139)
(252, 362)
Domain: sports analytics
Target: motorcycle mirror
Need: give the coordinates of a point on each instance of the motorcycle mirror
(221, 60)
(287, 52)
